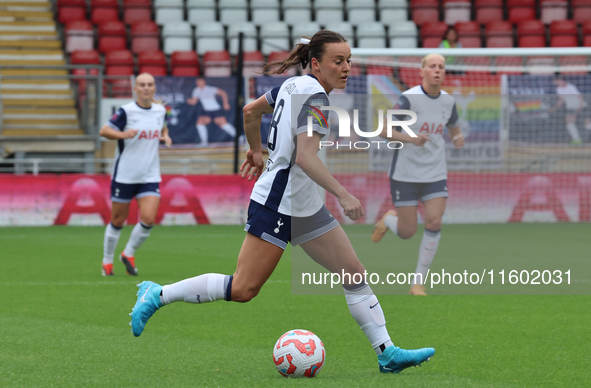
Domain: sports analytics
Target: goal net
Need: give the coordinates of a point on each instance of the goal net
(526, 117)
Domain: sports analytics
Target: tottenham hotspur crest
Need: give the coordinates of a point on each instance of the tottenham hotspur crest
(279, 223)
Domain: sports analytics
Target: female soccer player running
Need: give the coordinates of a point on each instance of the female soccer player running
(419, 170)
(286, 194)
(138, 128)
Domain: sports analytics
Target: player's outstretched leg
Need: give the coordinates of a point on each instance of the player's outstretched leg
(148, 301)
(382, 226)
(395, 359)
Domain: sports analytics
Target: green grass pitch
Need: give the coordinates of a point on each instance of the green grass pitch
(63, 324)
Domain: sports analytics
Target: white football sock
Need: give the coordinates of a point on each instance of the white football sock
(229, 128)
(202, 130)
(392, 223)
(427, 252)
(368, 314)
(139, 234)
(573, 131)
(200, 289)
(112, 234)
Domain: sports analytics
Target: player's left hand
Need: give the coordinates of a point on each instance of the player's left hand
(167, 140)
(253, 165)
(458, 140)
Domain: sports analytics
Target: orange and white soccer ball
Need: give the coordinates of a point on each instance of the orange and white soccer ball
(299, 353)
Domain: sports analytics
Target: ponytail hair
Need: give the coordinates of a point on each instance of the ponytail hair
(303, 53)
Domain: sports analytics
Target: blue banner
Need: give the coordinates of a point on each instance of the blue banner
(201, 110)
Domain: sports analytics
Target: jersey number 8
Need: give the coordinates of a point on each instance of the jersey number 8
(272, 139)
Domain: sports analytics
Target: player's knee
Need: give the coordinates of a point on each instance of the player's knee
(434, 224)
(406, 233)
(244, 295)
(118, 220)
(148, 220)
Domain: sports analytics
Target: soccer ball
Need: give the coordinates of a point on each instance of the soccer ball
(299, 353)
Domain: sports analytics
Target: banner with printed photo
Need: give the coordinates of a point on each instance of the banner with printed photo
(479, 121)
(548, 110)
(201, 110)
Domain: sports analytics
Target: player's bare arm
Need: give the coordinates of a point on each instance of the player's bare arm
(456, 136)
(308, 160)
(224, 97)
(420, 140)
(253, 113)
(165, 137)
(113, 134)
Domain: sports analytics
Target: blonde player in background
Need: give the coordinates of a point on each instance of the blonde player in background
(418, 170)
(138, 127)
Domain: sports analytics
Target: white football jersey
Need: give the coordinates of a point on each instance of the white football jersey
(570, 94)
(207, 97)
(424, 164)
(283, 186)
(136, 160)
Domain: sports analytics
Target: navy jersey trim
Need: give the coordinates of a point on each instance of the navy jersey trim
(429, 95)
(119, 119)
(278, 189)
(141, 107)
(312, 75)
(453, 119)
(121, 146)
(271, 96)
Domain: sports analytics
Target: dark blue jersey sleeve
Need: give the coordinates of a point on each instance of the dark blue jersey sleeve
(453, 119)
(119, 120)
(271, 96)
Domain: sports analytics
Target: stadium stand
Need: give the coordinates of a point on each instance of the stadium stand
(300, 10)
(403, 34)
(71, 10)
(332, 10)
(135, 11)
(210, 37)
(274, 37)
(564, 33)
(253, 62)
(392, 11)
(361, 11)
(169, 11)
(521, 10)
(79, 36)
(432, 33)
(552, 10)
(457, 11)
(469, 34)
(424, 11)
(36, 107)
(499, 34)
(233, 11)
(249, 31)
(531, 33)
(217, 64)
(489, 11)
(581, 10)
(177, 37)
(104, 11)
(184, 64)
(264, 11)
(112, 36)
(303, 29)
(201, 11)
(145, 36)
(153, 62)
(371, 35)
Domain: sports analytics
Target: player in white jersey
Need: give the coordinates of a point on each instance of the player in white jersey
(285, 205)
(574, 103)
(419, 170)
(138, 127)
(212, 109)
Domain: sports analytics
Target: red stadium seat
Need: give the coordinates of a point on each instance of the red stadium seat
(71, 10)
(112, 36)
(577, 63)
(253, 62)
(424, 11)
(145, 36)
(79, 36)
(469, 34)
(456, 11)
(153, 62)
(531, 33)
(587, 34)
(564, 33)
(184, 64)
(521, 10)
(104, 11)
(137, 11)
(581, 10)
(553, 10)
(499, 34)
(84, 57)
(217, 64)
(432, 33)
(489, 11)
(119, 62)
